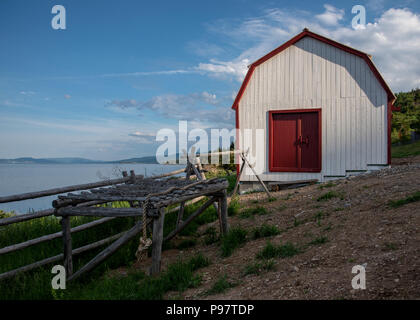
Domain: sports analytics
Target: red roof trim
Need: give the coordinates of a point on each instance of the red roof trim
(304, 33)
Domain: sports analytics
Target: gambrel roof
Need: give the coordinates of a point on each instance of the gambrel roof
(307, 33)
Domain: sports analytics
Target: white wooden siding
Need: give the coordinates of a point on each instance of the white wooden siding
(313, 74)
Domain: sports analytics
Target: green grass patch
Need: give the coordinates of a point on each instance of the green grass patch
(250, 212)
(326, 185)
(265, 231)
(329, 195)
(282, 251)
(235, 238)
(406, 150)
(389, 246)
(210, 236)
(258, 267)
(398, 203)
(221, 285)
(318, 241)
(234, 207)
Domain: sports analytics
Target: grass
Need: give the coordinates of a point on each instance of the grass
(179, 276)
(187, 243)
(326, 185)
(234, 207)
(406, 150)
(329, 195)
(282, 251)
(220, 286)
(250, 212)
(258, 267)
(398, 203)
(265, 231)
(319, 241)
(390, 246)
(235, 238)
(210, 236)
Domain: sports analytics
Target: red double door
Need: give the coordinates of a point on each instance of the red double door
(295, 140)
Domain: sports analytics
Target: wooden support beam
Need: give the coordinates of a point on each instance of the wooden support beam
(99, 212)
(68, 256)
(258, 177)
(157, 242)
(108, 251)
(190, 218)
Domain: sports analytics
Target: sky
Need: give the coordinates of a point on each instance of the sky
(122, 70)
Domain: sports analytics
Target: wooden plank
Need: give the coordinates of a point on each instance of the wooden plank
(67, 251)
(238, 179)
(22, 245)
(190, 218)
(108, 251)
(59, 257)
(157, 242)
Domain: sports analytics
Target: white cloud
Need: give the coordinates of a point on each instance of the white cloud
(331, 16)
(27, 93)
(202, 107)
(393, 39)
(222, 68)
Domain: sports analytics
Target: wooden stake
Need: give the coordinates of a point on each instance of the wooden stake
(157, 242)
(224, 226)
(68, 258)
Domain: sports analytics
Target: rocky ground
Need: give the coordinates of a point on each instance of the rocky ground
(357, 225)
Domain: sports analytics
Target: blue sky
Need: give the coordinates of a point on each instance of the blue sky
(122, 70)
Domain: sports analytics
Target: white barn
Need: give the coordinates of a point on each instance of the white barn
(325, 109)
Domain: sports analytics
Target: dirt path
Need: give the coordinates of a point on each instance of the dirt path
(357, 226)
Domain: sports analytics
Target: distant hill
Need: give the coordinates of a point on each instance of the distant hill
(73, 160)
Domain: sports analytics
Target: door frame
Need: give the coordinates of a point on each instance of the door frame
(271, 146)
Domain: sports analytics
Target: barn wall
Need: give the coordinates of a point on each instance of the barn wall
(313, 74)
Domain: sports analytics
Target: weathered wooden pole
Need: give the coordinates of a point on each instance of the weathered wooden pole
(157, 242)
(68, 255)
(223, 205)
(238, 179)
(258, 177)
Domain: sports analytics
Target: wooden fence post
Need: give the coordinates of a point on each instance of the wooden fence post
(68, 255)
(157, 242)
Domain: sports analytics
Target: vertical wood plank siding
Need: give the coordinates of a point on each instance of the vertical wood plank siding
(314, 74)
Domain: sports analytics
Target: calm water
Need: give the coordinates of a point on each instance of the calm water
(21, 178)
